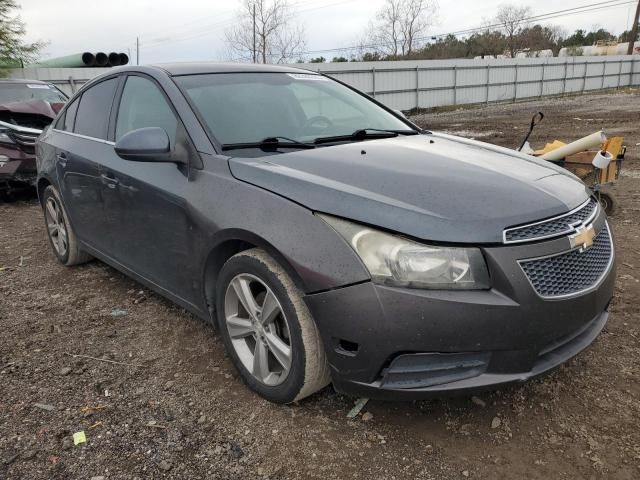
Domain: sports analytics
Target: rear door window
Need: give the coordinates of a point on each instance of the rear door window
(143, 105)
(92, 118)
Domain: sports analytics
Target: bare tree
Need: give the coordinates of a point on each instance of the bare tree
(512, 19)
(288, 44)
(388, 27)
(276, 40)
(399, 25)
(417, 16)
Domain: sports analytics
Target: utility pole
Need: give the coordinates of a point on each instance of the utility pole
(137, 50)
(254, 33)
(634, 30)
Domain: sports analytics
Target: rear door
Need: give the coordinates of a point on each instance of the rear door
(82, 149)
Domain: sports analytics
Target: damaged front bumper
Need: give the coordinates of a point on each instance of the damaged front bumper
(399, 343)
(17, 156)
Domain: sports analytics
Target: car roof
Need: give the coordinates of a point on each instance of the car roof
(194, 68)
(22, 80)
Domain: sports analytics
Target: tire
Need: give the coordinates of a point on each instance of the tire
(288, 323)
(608, 203)
(65, 247)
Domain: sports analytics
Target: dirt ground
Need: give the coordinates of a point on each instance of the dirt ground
(173, 407)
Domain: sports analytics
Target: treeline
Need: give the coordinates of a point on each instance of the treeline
(400, 32)
(492, 42)
(529, 39)
(266, 31)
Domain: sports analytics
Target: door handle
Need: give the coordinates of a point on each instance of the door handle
(62, 159)
(110, 182)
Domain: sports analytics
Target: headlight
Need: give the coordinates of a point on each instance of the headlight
(394, 260)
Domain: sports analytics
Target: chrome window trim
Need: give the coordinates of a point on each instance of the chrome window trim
(593, 287)
(572, 229)
(86, 137)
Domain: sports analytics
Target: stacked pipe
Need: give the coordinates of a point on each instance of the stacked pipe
(86, 59)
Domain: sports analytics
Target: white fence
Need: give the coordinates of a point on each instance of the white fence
(405, 85)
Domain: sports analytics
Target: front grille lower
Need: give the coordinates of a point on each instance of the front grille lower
(421, 370)
(571, 272)
(552, 227)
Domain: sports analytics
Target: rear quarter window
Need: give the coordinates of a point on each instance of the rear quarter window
(92, 118)
(66, 120)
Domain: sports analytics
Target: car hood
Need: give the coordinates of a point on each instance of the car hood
(34, 107)
(433, 187)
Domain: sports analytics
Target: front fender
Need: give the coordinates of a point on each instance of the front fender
(316, 256)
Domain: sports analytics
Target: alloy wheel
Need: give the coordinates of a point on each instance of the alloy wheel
(56, 226)
(258, 329)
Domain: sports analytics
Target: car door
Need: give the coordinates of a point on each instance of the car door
(80, 149)
(156, 231)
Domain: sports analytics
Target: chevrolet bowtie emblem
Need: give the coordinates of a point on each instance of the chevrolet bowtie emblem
(583, 237)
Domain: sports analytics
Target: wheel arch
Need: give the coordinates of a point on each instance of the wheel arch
(227, 244)
(43, 182)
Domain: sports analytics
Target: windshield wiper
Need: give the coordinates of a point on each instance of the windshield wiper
(269, 143)
(364, 133)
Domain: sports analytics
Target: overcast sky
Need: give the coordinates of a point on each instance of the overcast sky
(194, 29)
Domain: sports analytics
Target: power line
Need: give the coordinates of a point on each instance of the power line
(541, 17)
(583, 9)
(206, 29)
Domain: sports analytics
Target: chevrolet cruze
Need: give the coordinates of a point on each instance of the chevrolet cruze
(328, 238)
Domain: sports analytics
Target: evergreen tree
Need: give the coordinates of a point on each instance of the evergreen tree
(13, 49)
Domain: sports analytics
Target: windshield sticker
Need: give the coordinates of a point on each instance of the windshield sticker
(307, 76)
(37, 85)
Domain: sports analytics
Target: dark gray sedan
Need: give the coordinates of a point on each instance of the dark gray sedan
(327, 238)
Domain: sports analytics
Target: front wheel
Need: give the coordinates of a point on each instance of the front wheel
(268, 330)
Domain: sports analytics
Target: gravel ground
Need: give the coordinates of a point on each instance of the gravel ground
(159, 399)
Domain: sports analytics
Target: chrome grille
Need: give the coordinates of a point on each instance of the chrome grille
(553, 227)
(23, 138)
(571, 272)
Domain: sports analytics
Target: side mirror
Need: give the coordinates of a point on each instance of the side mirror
(150, 144)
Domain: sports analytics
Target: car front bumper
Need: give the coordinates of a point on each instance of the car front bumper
(397, 343)
(16, 165)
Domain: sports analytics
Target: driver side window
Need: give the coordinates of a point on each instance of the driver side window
(143, 105)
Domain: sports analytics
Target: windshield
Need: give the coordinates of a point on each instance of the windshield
(249, 107)
(26, 92)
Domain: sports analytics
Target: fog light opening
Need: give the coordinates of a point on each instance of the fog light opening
(346, 347)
